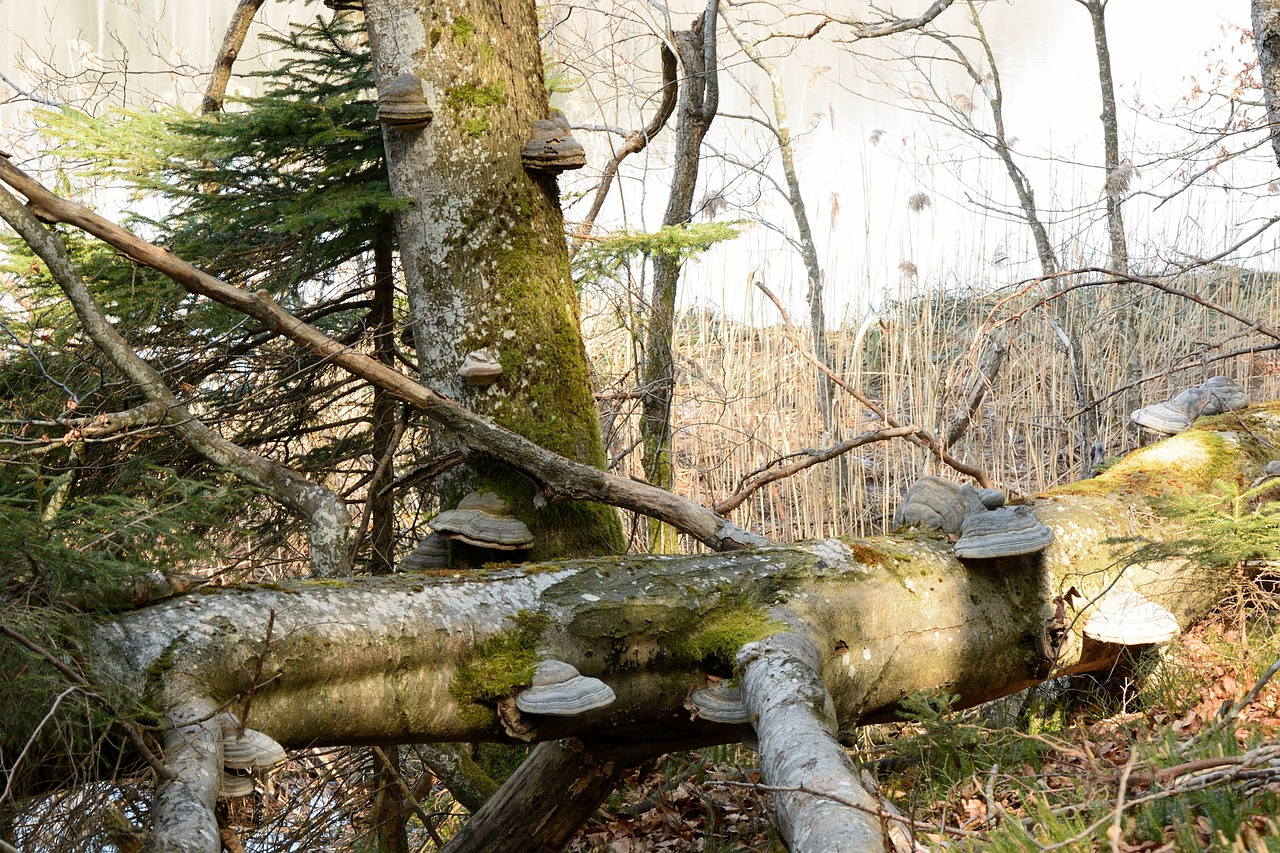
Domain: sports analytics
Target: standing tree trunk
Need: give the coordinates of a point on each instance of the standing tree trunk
(483, 249)
(1116, 185)
(699, 100)
(808, 249)
(1058, 316)
(1266, 32)
(380, 505)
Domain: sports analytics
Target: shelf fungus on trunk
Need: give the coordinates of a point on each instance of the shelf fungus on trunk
(718, 703)
(402, 105)
(432, 553)
(1123, 616)
(243, 754)
(1009, 531)
(552, 148)
(558, 689)
(983, 526)
(939, 504)
(483, 520)
(480, 368)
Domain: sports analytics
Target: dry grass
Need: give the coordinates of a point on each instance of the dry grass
(747, 397)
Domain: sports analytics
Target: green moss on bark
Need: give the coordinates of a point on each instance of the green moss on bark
(495, 668)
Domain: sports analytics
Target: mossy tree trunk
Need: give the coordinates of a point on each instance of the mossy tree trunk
(1266, 33)
(437, 659)
(483, 248)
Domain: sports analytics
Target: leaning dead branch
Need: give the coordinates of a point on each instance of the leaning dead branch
(326, 513)
(557, 476)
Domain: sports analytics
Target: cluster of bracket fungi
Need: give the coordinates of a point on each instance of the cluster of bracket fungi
(551, 149)
(1214, 396)
(985, 528)
(245, 752)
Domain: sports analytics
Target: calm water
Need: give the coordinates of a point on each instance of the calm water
(864, 148)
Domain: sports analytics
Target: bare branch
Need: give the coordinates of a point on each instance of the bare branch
(917, 436)
(762, 477)
(241, 18)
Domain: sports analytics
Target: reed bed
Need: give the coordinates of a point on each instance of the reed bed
(747, 396)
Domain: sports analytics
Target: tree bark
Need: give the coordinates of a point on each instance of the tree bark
(783, 691)
(1266, 33)
(889, 616)
(699, 100)
(483, 250)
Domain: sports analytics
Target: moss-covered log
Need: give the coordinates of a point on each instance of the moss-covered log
(437, 658)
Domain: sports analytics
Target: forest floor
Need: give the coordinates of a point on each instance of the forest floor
(1182, 753)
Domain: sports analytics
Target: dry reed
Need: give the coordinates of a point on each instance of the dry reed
(746, 396)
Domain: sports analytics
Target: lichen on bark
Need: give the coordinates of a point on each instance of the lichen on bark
(483, 249)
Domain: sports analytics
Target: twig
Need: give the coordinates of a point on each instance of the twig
(375, 484)
(408, 796)
(761, 477)
(917, 436)
(257, 670)
(881, 813)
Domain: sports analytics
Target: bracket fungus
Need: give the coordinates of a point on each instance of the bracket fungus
(480, 368)
(1009, 531)
(402, 104)
(432, 553)
(1215, 395)
(1124, 616)
(551, 147)
(719, 703)
(934, 502)
(235, 785)
(558, 689)
(484, 520)
(251, 750)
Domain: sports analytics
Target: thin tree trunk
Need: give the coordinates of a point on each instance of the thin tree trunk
(1266, 32)
(1059, 315)
(1114, 195)
(232, 41)
(380, 505)
(699, 100)
(808, 249)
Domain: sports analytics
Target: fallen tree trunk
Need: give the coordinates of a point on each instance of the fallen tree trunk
(439, 658)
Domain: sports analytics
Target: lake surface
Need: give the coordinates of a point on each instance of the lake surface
(865, 142)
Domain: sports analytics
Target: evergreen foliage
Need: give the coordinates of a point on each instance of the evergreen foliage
(602, 259)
